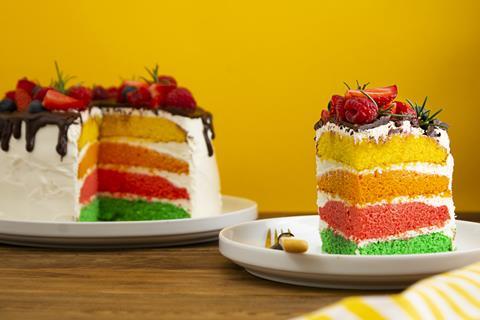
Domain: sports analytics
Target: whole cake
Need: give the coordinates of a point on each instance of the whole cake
(141, 151)
(384, 176)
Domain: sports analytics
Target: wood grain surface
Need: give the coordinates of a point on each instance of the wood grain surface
(189, 282)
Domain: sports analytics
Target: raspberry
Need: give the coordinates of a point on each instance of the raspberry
(80, 93)
(10, 95)
(181, 98)
(26, 85)
(360, 110)
(325, 115)
(139, 97)
(337, 110)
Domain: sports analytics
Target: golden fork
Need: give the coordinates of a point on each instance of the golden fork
(285, 241)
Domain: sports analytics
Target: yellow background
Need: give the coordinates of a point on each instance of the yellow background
(266, 69)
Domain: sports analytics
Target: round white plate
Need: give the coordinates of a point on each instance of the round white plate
(244, 245)
(159, 233)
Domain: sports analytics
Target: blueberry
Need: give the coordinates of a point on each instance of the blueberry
(7, 105)
(35, 106)
(127, 89)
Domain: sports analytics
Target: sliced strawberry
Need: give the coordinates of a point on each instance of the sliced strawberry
(134, 83)
(55, 100)
(403, 108)
(26, 85)
(22, 99)
(10, 95)
(383, 96)
(40, 93)
(159, 92)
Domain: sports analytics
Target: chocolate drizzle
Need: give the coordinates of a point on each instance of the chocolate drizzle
(11, 124)
(205, 116)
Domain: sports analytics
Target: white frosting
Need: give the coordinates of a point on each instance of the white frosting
(41, 186)
(381, 132)
(324, 166)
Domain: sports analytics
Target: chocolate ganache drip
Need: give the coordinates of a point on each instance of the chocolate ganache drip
(11, 124)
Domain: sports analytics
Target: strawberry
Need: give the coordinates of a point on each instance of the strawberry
(360, 110)
(139, 97)
(26, 85)
(383, 96)
(80, 93)
(22, 99)
(112, 92)
(337, 107)
(181, 98)
(325, 115)
(55, 100)
(39, 93)
(10, 95)
(167, 80)
(136, 84)
(403, 108)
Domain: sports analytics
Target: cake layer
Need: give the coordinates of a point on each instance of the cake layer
(381, 221)
(394, 149)
(89, 159)
(144, 127)
(90, 131)
(381, 186)
(132, 155)
(140, 184)
(112, 209)
(427, 243)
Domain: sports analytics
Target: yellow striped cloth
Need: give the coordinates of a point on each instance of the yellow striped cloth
(452, 295)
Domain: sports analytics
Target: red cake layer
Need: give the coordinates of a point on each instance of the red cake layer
(382, 220)
(104, 180)
(139, 184)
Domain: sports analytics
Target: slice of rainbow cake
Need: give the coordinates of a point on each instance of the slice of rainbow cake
(384, 176)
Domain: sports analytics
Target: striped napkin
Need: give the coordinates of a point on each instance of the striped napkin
(452, 295)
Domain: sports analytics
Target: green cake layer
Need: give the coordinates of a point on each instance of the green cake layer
(428, 243)
(114, 209)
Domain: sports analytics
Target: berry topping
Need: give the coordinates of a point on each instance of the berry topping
(39, 93)
(123, 91)
(159, 93)
(360, 110)
(36, 106)
(100, 93)
(26, 85)
(325, 115)
(7, 105)
(167, 80)
(383, 96)
(112, 92)
(336, 106)
(181, 98)
(10, 95)
(22, 99)
(135, 84)
(55, 100)
(402, 108)
(81, 93)
(139, 97)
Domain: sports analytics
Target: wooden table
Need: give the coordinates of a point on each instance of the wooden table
(190, 282)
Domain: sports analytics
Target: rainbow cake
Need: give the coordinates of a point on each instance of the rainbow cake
(141, 151)
(384, 176)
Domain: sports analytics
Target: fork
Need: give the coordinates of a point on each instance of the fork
(285, 241)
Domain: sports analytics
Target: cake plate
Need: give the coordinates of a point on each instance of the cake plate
(243, 244)
(102, 235)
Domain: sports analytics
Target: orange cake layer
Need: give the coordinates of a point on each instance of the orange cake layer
(89, 160)
(149, 128)
(130, 155)
(371, 188)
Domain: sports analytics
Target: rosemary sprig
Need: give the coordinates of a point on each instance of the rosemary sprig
(60, 84)
(425, 118)
(359, 86)
(153, 74)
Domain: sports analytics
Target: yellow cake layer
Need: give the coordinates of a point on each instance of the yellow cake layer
(90, 132)
(368, 154)
(379, 186)
(150, 128)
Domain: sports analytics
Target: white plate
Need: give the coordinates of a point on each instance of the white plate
(243, 244)
(159, 233)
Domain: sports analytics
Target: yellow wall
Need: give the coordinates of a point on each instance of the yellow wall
(266, 69)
